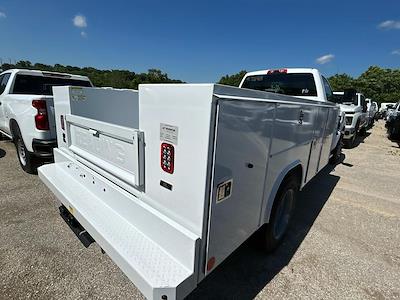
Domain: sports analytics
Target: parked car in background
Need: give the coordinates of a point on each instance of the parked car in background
(392, 110)
(354, 106)
(393, 125)
(27, 112)
(384, 108)
(305, 83)
(372, 109)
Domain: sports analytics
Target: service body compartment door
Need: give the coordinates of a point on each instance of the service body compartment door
(115, 149)
(243, 136)
(316, 146)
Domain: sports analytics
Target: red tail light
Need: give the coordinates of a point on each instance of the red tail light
(277, 71)
(41, 118)
(167, 157)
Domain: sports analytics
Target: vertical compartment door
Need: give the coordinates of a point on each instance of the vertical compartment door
(243, 136)
(316, 146)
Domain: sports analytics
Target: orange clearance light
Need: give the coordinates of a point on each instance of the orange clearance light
(210, 263)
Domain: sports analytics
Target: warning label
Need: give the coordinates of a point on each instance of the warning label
(224, 190)
(169, 133)
(77, 94)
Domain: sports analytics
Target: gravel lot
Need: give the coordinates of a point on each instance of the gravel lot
(344, 242)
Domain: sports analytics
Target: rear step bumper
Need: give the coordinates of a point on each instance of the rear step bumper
(157, 255)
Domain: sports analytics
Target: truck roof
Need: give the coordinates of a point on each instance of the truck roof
(45, 73)
(289, 70)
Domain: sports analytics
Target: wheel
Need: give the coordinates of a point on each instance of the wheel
(363, 131)
(281, 214)
(337, 152)
(26, 159)
(2, 137)
(349, 143)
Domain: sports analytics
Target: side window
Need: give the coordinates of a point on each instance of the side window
(363, 103)
(3, 82)
(328, 90)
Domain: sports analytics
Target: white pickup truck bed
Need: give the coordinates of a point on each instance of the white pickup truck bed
(171, 191)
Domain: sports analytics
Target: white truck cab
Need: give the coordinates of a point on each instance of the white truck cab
(305, 83)
(27, 112)
(354, 105)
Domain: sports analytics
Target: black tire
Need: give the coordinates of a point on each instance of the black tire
(2, 137)
(363, 131)
(26, 159)
(281, 214)
(337, 152)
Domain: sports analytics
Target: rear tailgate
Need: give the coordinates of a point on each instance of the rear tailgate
(115, 149)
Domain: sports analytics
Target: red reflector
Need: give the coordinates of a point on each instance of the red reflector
(211, 263)
(41, 118)
(167, 157)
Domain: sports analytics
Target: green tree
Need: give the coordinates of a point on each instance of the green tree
(339, 82)
(234, 79)
(101, 78)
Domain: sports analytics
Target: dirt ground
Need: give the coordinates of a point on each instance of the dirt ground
(344, 242)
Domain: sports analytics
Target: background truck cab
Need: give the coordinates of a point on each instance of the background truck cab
(354, 105)
(305, 83)
(27, 112)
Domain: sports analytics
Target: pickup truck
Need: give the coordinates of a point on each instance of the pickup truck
(354, 106)
(393, 124)
(170, 180)
(385, 107)
(27, 112)
(372, 110)
(305, 83)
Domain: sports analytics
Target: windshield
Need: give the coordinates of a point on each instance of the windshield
(350, 101)
(294, 84)
(41, 85)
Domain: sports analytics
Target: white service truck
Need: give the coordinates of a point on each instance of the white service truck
(305, 83)
(27, 112)
(354, 105)
(171, 179)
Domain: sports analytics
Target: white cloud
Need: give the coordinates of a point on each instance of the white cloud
(80, 21)
(396, 52)
(2, 15)
(389, 24)
(325, 59)
(83, 34)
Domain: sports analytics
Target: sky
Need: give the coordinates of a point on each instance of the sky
(200, 41)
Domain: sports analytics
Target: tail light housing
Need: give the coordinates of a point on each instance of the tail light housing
(277, 71)
(167, 157)
(41, 118)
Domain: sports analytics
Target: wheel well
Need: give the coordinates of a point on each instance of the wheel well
(13, 128)
(297, 172)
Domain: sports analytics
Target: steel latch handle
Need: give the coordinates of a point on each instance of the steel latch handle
(94, 132)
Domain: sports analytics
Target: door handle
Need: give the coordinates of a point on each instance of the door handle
(301, 117)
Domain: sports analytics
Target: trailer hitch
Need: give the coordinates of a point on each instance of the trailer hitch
(80, 232)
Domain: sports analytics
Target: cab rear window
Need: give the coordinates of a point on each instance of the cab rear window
(295, 84)
(42, 85)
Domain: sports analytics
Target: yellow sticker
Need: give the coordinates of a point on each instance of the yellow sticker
(71, 209)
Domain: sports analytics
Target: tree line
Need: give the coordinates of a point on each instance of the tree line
(100, 78)
(381, 85)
